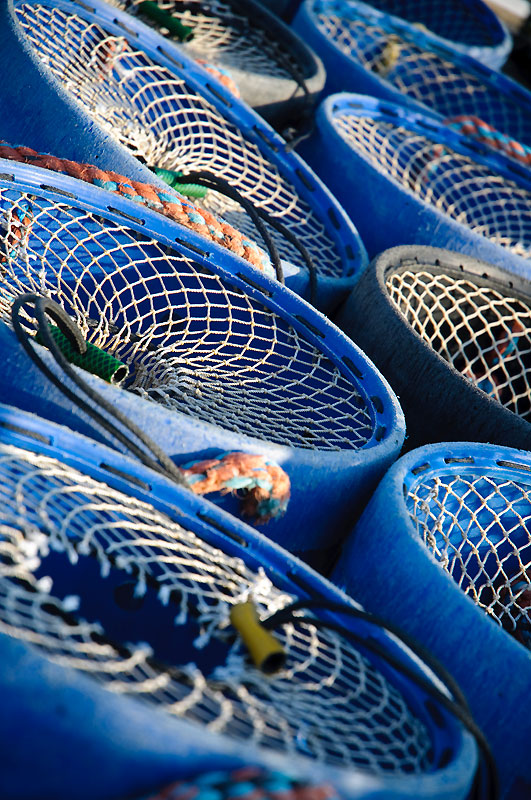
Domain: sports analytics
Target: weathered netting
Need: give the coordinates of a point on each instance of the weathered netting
(193, 342)
(477, 527)
(422, 74)
(328, 702)
(469, 192)
(480, 330)
(452, 19)
(152, 111)
(224, 35)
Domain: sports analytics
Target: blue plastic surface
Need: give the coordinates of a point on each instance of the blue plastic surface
(321, 478)
(117, 745)
(432, 78)
(386, 212)
(468, 27)
(258, 136)
(387, 566)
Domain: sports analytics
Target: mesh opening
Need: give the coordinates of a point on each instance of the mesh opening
(453, 19)
(154, 113)
(328, 702)
(477, 527)
(468, 192)
(225, 36)
(194, 343)
(422, 74)
(481, 331)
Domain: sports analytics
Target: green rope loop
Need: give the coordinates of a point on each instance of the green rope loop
(171, 177)
(94, 360)
(151, 10)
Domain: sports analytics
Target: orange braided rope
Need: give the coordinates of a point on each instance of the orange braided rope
(265, 485)
(173, 206)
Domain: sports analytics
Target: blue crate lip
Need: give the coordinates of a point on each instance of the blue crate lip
(491, 55)
(345, 72)
(442, 231)
(492, 668)
(219, 529)
(307, 184)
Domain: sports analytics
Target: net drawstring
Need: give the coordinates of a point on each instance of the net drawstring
(259, 216)
(486, 785)
(475, 127)
(164, 18)
(265, 485)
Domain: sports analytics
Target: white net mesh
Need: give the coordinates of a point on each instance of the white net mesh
(423, 75)
(453, 19)
(468, 192)
(477, 527)
(327, 702)
(194, 343)
(151, 110)
(224, 35)
(480, 330)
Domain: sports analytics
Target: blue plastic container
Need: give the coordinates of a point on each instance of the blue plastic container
(469, 28)
(452, 335)
(274, 71)
(405, 178)
(221, 357)
(440, 549)
(168, 111)
(382, 56)
(94, 677)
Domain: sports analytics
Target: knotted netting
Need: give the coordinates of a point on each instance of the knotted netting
(62, 530)
(225, 35)
(193, 341)
(468, 191)
(477, 526)
(150, 108)
(428, 76)
(452, 20)
(481, 330)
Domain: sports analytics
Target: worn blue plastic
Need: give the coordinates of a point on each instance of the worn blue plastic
(387, 566)
(118, 746)
(387, 213)
(470, 28)
(345, 244)
(423, 73)
(216, 295)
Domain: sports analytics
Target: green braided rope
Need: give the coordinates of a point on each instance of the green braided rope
(94, 360)
(163, 18)
(171, 177)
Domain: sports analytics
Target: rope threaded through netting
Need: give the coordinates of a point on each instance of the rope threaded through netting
(251, 783)
(475, 127)
(266, 485)
(172, 206)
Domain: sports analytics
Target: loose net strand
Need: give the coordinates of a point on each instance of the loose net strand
(153, 112)
(477, 527)
(192, 342)
(480, 330)
(468, 192)
(328, 702)
(423, 75)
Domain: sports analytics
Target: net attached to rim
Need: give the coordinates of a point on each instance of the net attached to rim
(328, 702)
(477, 527)
(224, 35)
(193, 342)
(468, 192)
(452, 20)
(480, 330)
(166, 123)
(423, 75)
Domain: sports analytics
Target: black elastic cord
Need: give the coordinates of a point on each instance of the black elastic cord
(259, 216)
(458, 706)
(161, 462)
